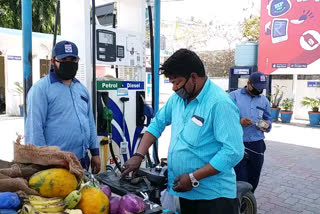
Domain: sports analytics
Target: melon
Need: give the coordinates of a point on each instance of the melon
(56, 182)
(93, 201)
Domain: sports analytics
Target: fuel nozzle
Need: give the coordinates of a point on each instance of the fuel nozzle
(107, 118)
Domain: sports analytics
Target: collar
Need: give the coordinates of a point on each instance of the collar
(243, 90)
(203, 90)
(54, 78)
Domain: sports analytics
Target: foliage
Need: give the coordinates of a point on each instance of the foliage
(196, 34)
(313, 103)
(217, 63)
(251, 28)
(19, 87)
(276, 97)
(43, 15)
(227, 33)
(287, 104)
(191, 34)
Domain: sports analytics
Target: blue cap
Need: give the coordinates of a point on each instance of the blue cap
(65, 49)
(258, 80)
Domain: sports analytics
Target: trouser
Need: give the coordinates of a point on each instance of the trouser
(215, 206)
(85, 162)
(249, 168)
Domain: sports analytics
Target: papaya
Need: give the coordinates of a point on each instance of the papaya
(93, 201)
(56, 182)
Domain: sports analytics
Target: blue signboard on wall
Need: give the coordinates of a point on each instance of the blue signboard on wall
(312, 84)
(241, 71)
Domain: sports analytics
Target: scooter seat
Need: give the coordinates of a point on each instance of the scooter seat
(242, 188)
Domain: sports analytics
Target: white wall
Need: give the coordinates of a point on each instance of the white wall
(11, 45)
(297, 89)
(301, 112)
(287, 89)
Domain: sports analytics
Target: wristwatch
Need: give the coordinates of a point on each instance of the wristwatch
(194, 181)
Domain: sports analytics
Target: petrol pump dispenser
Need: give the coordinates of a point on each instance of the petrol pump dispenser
(239, 75)
(120, 120)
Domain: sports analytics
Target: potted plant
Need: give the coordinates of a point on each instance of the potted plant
(286, 113)
(19, 90)
(314, 115)
(275, 100)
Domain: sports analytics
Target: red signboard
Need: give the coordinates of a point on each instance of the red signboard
(289, 34)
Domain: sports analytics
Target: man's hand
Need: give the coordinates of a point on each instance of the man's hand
(95, 164)
(263, 129)
(182, 183)
(244, 121)
(132, 165)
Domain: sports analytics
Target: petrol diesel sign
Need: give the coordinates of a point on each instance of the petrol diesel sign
(108, 85)
(115, 85)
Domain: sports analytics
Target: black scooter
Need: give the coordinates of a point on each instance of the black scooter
(152, 181)
(246, 199)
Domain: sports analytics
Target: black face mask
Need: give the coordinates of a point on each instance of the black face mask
(183, 93)
(255, 91)
(67, 70)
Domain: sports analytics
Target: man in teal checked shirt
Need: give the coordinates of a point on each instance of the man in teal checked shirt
(206, 141)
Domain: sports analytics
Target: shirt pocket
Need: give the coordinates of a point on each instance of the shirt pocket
(191, 133)
(83, 105)
(260, 112)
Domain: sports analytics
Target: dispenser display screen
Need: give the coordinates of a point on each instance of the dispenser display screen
(105, 38)
(106, 45)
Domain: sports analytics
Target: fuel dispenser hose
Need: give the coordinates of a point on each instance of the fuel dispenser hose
(113, 156)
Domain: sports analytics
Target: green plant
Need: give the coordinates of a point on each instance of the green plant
(19, 90)
(19, 87)
(276, 97)
(287, 104)
(314, 103)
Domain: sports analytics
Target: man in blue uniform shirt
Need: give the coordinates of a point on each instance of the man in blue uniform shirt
(206, 139)
(59, 111)
(255, 120)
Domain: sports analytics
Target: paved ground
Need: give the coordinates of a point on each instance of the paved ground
(290, 181)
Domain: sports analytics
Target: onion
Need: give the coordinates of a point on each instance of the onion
(114, 205)
(131, 204)
(106, 190)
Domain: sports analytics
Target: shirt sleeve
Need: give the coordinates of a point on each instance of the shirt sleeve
(93, 144)
(267, 115)
(161, 119)
(37, 106)
(228, 132)
(233, 95)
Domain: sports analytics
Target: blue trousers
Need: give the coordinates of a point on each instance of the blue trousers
(85, 162)
(249, 168)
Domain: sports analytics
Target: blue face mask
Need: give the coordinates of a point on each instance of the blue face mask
(183, 93)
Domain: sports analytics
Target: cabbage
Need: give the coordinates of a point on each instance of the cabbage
(131, 204)
(114, 205)
(106, 190)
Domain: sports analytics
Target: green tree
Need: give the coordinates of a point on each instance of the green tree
(10, 16)
(251, 28)
(43, 15)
